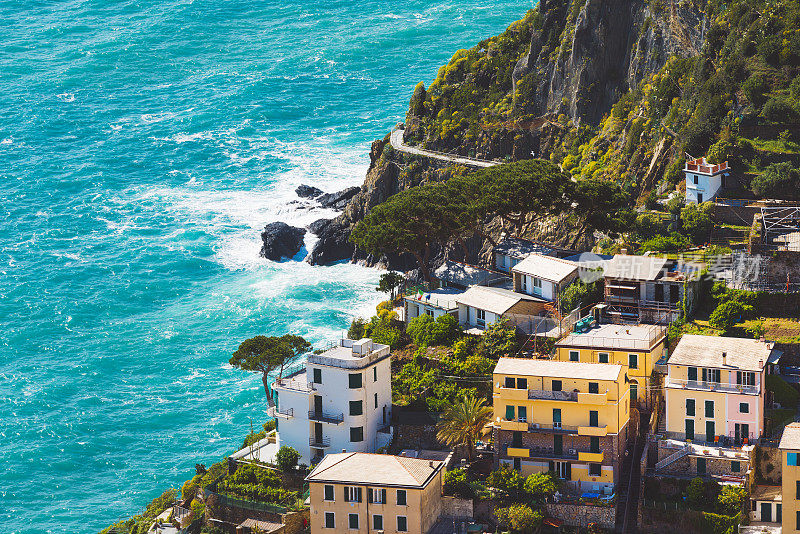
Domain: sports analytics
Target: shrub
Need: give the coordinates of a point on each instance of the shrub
(382, 330)
(580, 295)
(647, 225)
(538, 485)
(779, 111)
(189, 488)
(499, 339)
(461, 349)
(728, 314)
(253, 482)
(425, 331)
(519, 518)
(507, 481)
(287, 458)
(357, 328)
(672, 243)
(755, 87)
(676, 204)
(695, 492)
(779, 180)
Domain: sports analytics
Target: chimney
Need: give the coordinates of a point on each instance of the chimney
(344, 450)
(724, 358)
(761, 363)
(430, 463)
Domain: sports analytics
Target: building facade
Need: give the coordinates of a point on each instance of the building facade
(432, 303)
(357, 492)
(636, 348)
(543, 276)
(790, 478)
(481, 306)
(704, 181)
(341, 401)
(566, 417)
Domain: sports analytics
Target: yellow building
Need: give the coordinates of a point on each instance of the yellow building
(570, 418)
(790, 486)
(636, 348)
(362, 492)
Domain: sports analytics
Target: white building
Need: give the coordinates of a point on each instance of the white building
(704, 180)
(433, 303)
(543, 276)
(341, 401)
(481, 306)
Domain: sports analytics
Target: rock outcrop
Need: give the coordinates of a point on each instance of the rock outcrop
(307, 191)
(281, 241)
(338, 200)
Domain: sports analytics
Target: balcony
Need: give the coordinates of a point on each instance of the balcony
(512, 393)
(319, 443)
(599, 399)
(324, 417)
(275, 412)
(519, 426)
(594, 457)
(600, 431)
(518, 452)
(712, 386)
(557, 428)
(540, 394)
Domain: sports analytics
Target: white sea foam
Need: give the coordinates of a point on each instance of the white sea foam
(66, 97)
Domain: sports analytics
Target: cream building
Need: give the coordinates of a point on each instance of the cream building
(360, 492)
(790, 486)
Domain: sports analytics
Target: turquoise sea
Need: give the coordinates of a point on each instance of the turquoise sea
(143, 145)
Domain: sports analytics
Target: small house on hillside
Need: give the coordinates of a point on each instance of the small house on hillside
(434, 303)
(544, 276)
(704, 180)
(481, 306)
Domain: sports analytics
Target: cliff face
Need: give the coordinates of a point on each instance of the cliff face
(506, 98)
(605, 49)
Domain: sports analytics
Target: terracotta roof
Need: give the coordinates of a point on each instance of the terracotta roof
(557, 369)
(374, 469)
(707, 351)
(546, 267)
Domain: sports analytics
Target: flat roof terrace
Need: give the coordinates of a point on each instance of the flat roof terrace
(616, 337)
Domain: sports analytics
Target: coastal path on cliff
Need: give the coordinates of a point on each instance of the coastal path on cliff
(396, 140)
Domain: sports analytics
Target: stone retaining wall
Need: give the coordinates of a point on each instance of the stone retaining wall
(581, 515)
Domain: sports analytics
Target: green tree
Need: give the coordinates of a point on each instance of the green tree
(427, 332)
(357, 328)
(456, 482)
(520, 518)
(462, 423)
(580, 295)
(696, 492)
(755, 87)
(287, 458)
(389, 283)
(778, 180)
(383, 328)
(601, 206)
(731, 499)
(265, 354)
(779, 111)
(508, 481)
(539, 485)
(696, 222)
(728, 314)
(499, 339)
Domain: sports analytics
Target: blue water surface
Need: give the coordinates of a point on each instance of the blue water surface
(143, 145)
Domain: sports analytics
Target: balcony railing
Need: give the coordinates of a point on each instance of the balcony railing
(544, 453)
(323, 417)
(286, 413)
(319, 442)
(541, 394)
(712, 386)
(553, 427)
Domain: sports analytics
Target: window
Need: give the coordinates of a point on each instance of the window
(524, 283)
(481, 314)
(355, 380)
(744, 407)
(602, 357)
(690, 407)
(735, 467)
(318, 376)
(797, 519)
(574, 355)
(510, 382)
(356, 408)
(745, 378)
(353, 521)
(594, 470)
(593, 387)
(377, 522)
(402, 523)
(556, 385)
(711, 375)
(695, 179)
(328, 493)
(401, 497)
(352, 494)
(556, 417)
(797, 489)
(428, 312)
(377, 496)
(791, 458)
(517, 464)
(692, 372)
(522, 414)
(522, 383)
(633, 361)
(357, 434)
(510, 412)
(330, 520)
(375, 374)
(594, 444)
(709, 408)
(537, 286)
(376, 401)
(593, 414)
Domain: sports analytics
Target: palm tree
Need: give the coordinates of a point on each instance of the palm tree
(463, 422)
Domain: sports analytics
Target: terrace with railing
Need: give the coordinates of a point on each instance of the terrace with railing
(325, 417)
(350, 354)
(700, 165)
(712, 386)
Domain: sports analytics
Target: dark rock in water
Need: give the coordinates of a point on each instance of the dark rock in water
(317, 225)
(281, 241)
(307, 191)
(333, 244)
(338, 200)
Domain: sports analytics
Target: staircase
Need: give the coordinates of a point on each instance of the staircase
(677, 455)
(627, 513)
